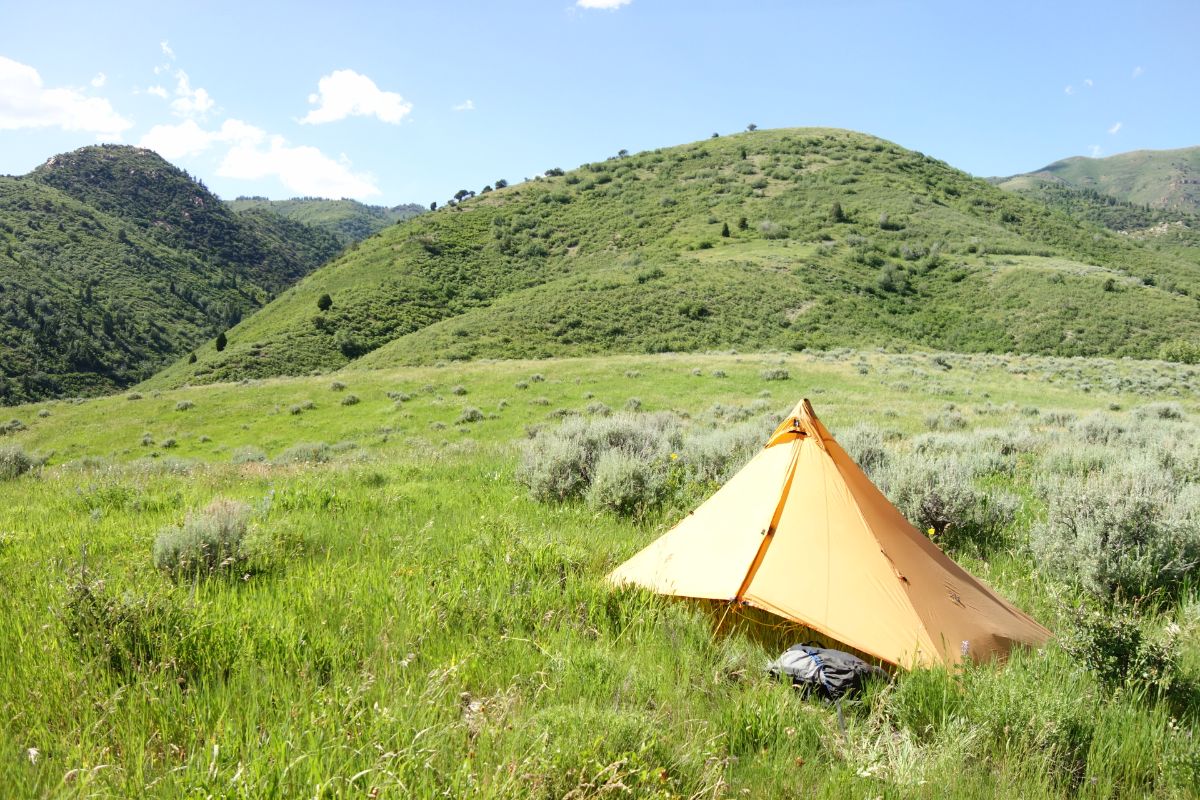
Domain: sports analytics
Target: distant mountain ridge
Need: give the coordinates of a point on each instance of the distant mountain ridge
(1159, 179)
(349, 220)
(114, 262)
(770, 239)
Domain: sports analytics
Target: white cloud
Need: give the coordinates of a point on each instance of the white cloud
(189, 139)
(345, 93)
(167, 51)
(1095, 151)
(26, 103)
(610, 5)
(303, 170)
(465, 105)
(157, 91)
(189, 102)
(99, 81)
(1088, 82)
(1116, 127)
(1138, 72)
(1069, 90)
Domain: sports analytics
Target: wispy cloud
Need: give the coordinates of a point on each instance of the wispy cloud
(189, 102)
(608, 5)
(166, 49)
(1095, 151)
(157, 91)
(1088, 83)
(465, 105)
(25, 102)
(1069, 89)
(345, 93)
(1138, 72)
(1115, 128)
(99, 81)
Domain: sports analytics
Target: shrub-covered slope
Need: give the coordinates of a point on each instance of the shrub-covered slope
(349, 220)
(1160, 179)
(792, 238)
(114, 263)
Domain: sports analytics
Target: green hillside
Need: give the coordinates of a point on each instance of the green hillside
(1158, 179)
(349, 220)
(788, 238)
(114, 263)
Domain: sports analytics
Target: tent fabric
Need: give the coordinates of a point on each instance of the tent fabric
(802, 532)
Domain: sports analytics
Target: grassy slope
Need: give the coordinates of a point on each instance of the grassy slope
(349, 220)
(117, 234)
(433, 631)
(646, 230)
(1165, 179)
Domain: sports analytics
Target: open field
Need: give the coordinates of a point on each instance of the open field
(402, 619)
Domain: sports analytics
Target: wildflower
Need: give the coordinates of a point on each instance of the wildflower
(674, 456)
(33, 754)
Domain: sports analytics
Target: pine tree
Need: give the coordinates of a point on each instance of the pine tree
(221, 341)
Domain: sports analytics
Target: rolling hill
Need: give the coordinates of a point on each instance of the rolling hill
(1156, 179)
(114, 263)
(349, 220)
(770, 239)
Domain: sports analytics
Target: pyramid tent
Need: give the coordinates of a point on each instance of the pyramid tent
(802, 532)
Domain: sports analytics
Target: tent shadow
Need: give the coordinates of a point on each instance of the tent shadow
(774, 634)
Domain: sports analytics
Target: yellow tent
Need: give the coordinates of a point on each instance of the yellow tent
(803, 533)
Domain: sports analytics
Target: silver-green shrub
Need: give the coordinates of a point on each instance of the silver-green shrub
(939, 494)
(559, 464)
(206, 543)
(14, 462)
(625, 484)
(1125, 532)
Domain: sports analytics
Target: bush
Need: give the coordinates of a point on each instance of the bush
(864, 444)
(470, 415)
(12, 426)
(775, 374)
(304, 453)
(1113, 644)
(714, 456)
(1169, 411)
(947, 420)
(247, 455)
(207, 543)
(1120, 534)
(337, 386)
(560, 464)
(184, 405)
(938, 495)
(459, 390)
(350, 400)
(14, 462)
(131, 634)
(625, 484)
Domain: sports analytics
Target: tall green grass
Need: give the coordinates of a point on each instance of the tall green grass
(419, 625)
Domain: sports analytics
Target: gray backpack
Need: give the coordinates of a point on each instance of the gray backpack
(830, 673)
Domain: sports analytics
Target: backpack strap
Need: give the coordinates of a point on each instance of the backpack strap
(816, 657)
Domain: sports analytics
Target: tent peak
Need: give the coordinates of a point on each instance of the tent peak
(801, 423)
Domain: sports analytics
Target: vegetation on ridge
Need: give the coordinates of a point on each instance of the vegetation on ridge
(835, 238)
(113, 263)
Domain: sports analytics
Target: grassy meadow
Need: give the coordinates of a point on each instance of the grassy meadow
(396, 615)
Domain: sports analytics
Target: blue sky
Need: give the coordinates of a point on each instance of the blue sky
(408, 102)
